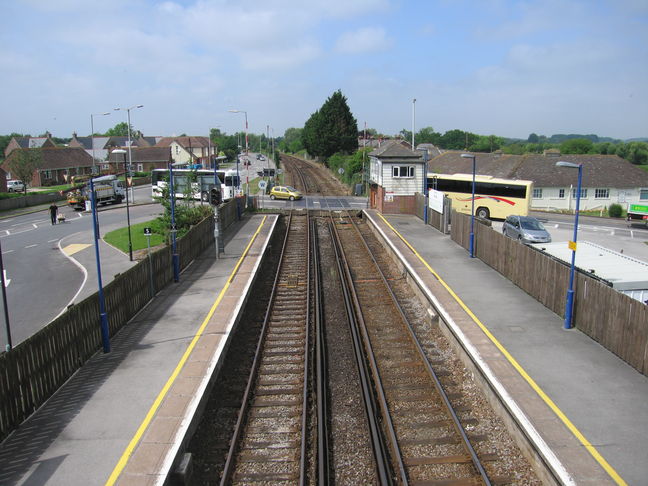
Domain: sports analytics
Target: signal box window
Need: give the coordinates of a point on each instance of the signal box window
(403, 171)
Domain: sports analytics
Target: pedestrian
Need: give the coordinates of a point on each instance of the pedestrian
(53, 209)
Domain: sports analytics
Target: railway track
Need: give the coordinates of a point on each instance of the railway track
(310, 178)
(422, 432)
(270, 438)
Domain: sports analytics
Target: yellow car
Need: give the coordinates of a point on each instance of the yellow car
(285, 192)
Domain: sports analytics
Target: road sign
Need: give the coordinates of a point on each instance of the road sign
(341, 170)
(147, 231)
(263, 185)
(572, 245)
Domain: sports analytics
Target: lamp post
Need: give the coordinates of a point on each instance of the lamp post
(569, 306)
(413, 120)
(247, 177)
(175, 260)
(92, 139)
(130, 243)
(471, 243)
(130, 160)
(105, 334)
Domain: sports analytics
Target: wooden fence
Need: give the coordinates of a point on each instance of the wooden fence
(32, 371)
(618, 322)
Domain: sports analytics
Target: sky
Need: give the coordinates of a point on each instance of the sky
(502, 67)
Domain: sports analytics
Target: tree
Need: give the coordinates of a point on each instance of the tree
(331, 129)
(292, 140)
(428, 135)
(457, 140)
(119, 130)
(576, 146)
(533, 138)
(23, 163)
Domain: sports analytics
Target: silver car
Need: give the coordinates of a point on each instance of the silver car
(526, 229)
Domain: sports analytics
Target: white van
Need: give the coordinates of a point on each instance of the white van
(15, 186)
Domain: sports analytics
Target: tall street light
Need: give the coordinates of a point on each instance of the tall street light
(471, 244)
(569, 307)
(413, 120)
(130, 243)
(247, 180)
(92, 140)
(130, 160)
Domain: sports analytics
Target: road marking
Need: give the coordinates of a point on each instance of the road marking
(550, 403)
(34, 225)
(7, 281)
(30, 246)
(74, 248)
(51, 241)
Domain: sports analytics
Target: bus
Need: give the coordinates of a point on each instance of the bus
(204, 182)
(494, 198)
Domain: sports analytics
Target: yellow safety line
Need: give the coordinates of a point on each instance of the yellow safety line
(590, 448)
(156, 404)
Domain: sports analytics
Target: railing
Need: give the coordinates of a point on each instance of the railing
(34, 369)
(618, 322)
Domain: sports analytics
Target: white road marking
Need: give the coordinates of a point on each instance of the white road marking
(8, 251)
(30, 246)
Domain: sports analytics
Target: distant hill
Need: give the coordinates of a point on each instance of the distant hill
(641, 139)
(559, 138)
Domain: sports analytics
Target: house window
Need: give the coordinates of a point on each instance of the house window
(583, 194)
(561, 193)
(643, 194)
(537, 193)
(602, 193)
(140, 167)
(403, 171)
(177, 150)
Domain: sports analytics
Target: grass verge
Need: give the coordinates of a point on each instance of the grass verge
(119, 237)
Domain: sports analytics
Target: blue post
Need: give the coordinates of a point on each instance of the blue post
(425, 187)
(569, 306)
(472, 214)
(174, 249)
(105, 333)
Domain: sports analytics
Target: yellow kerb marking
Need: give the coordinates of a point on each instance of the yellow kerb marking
(121, 464)
(75, 248)
(581, 438)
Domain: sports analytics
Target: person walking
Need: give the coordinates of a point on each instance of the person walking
(53, 209)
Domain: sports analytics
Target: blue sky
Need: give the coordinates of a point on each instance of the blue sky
(490, 67)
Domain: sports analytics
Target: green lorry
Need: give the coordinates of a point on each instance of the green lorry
(638, 212)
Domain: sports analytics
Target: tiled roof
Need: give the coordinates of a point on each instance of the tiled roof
(598, 170)
(185, 142)
(144, 154)
(395, 150)
(59, 158)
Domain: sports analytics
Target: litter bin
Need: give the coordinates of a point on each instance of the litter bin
(359, 190)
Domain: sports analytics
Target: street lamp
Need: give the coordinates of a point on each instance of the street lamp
(471, 244)
(247, 180)
(92, 139)
(130, 243)
(569, 307)
(105, 333)
(130, 160)
(413, 120)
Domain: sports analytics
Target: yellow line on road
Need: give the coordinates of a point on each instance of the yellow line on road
(75, 248)
(121, 464)
(581, 438)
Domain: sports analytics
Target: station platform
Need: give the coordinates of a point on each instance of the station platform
(122, 417)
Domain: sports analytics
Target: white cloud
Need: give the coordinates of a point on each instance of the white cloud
(367, 39)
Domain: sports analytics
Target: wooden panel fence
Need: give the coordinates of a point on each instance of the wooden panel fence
(618, 322)
(33, 370)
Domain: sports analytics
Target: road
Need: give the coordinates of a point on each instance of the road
(50, 267)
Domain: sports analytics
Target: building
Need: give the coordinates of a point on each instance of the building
(29, 142)
(189, 150)
(396, 174)
(143, 159)
(57, 164)
(607, 179)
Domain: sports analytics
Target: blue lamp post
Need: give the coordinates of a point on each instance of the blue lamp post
(471, 243)
(105, 334)
(569, 307)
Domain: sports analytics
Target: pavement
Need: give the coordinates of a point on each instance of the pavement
(80, 434)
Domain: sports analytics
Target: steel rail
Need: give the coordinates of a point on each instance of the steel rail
(439, 387)
(381, 456)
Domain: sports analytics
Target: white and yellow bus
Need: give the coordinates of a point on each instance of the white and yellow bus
(494, 198)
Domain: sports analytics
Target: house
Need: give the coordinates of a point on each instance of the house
(396, 174)
(606, 179)
(143, 159)
(29, 142)
(95, 146)
(3, 181)
(56, 166)
(189, 150)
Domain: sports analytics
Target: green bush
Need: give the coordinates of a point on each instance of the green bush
(615, 211)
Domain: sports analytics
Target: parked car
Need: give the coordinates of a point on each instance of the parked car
(15, 186)
(525, 229)
(285, 192)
